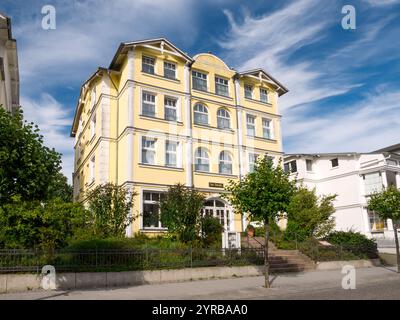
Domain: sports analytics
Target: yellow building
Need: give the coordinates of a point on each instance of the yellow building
(157, 117)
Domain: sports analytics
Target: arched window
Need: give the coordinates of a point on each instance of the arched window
(200, 114)
(202, 162)
(225, 163)
(223, 119)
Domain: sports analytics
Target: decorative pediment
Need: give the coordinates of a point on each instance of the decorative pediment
(261, 75)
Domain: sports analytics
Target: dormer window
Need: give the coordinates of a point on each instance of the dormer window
(248, 91)
(264, 95)
(148, 64)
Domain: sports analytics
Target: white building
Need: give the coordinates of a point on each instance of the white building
(9, 75)
(353, 177)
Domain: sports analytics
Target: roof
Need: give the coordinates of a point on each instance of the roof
(338, 154)
(256, 72)
(124, 46)
(395, 147)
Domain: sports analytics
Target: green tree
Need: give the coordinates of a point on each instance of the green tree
(309, 215)
(181, 212)
(33, 224)
(387, 205)
(27, 167)
(109, 210)
(263, 194)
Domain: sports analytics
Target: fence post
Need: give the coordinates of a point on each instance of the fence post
(191, 257)
(341, 252)
(37, 260)
(96, 257)
(295, 236)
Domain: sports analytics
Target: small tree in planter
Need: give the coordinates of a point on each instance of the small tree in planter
(387, 205)
(263, 193)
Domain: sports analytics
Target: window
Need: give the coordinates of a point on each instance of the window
(290, 166)
(199, 81)
(171, 148)
(221, 86)
(148, 104)
(170, 109)
(252, 161)
(266, 124)
(223, 119)
(248, 91)
(335, 162)
(200, 114)
(148, 150)
(151, 209)
(92, 168)
(225, 163)
(93, 127)
(202, 162)
(309, 165)
(148, 64)
(251, 128)
(264, 95)
(375, 222)
(373, 182)
(93, 97)
(169, 70)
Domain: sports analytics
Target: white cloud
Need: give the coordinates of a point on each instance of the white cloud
(272, 41)
(54, 121)
(367, 125)
(381, 3)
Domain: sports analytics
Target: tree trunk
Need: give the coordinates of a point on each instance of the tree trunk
(396, 238)
(266, 260)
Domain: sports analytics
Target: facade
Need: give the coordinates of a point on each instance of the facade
(9, 74)
(157, 117)
(353, 177)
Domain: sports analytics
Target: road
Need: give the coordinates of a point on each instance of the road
(371, 283)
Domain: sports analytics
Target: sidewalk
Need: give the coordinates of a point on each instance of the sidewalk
(288, 286)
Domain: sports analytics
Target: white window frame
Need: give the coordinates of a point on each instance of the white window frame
(177, 153)
(226, 116)
(144, 201)
(222, 82)
(251, 91)
(144, 92)
(202, 112)
(252, 163)
(253, 124)
(267, 128)
(225, 162)
(312, 165)
(202, 76)
(143, 148)
(93, 127)
(144, 58)
(92, 168)
(170, 107)
(206, 158)
(167, 65)
(264, 92)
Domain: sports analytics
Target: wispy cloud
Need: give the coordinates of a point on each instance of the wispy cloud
(53, 120)
(283, 42)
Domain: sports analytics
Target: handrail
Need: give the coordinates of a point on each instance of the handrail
(254, 238)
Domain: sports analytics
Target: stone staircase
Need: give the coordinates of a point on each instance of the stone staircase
(281, 261)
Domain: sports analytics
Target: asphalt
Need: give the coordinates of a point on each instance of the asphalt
(370, 283)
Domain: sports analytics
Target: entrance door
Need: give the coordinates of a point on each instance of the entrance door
(218, 209)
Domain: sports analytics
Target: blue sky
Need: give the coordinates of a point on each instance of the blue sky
(344, 84)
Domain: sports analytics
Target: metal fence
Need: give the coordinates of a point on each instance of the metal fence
(18, 260)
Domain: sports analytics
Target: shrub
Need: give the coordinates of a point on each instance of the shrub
(211, 230)
(181, 212)
(354, 242)
(29, 224)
